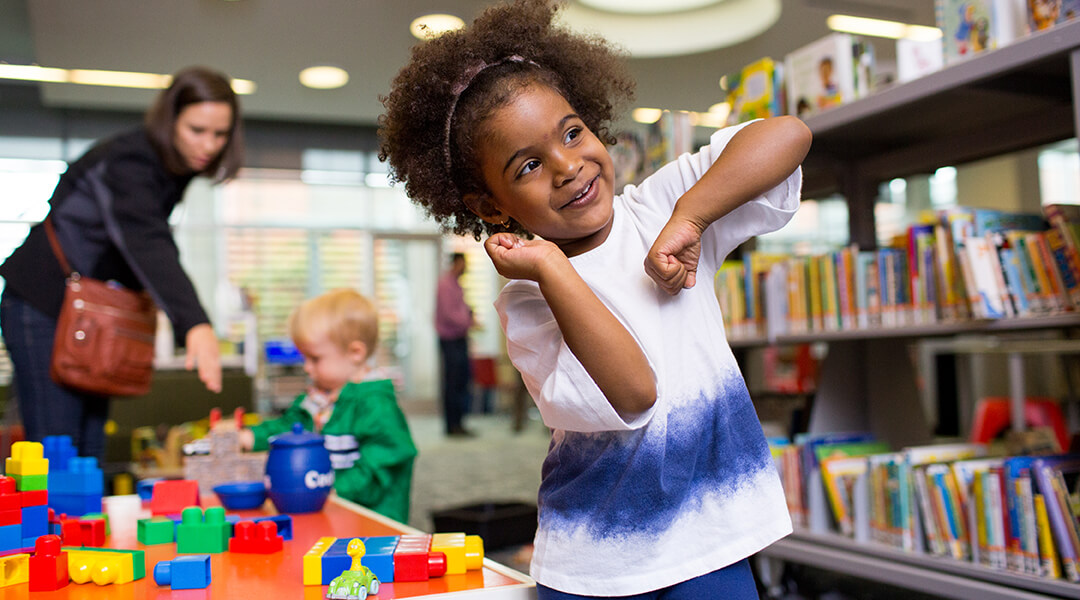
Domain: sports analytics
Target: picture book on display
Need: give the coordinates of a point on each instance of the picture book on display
(973, 26)
(755, 92)
(821, 75)
(1044, 14)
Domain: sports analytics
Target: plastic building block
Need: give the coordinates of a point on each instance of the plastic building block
(58, 450)
(379, 556)
(11, 537)
(14, 568)
(27, 459)
(9, 497)
(171, 496)
(184, 572)
(414, 560)
(105, 566)
(313, 561)
(35, 521)
(200, 533)
(356, 582)
(79, 532)
(453, 546)
(255, 538)
(48, 565)
(34, 498)
(284, 524)
(156, 530)
(336, 560)
(101, 516)
(27, 483)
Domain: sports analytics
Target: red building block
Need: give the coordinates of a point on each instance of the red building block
(78, 532)
(414, 560)
(9, 498)
(255, 538)
(48, 565)
(172, 496)
(34, 498)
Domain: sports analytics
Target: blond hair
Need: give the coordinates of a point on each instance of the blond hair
(342, 316)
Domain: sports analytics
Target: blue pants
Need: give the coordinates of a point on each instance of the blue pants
(733, 582)
(456, 377)
(48, 408)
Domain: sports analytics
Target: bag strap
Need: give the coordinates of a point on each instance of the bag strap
(57, 250)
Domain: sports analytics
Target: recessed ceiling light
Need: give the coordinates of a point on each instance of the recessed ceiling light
(432, 26)
(128, 79)
(646, 115)
(880, 28)
(324, 77)
(651, 7)
(710, 26)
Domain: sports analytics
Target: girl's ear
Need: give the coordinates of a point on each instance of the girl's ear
(482, 206)
(357, 350)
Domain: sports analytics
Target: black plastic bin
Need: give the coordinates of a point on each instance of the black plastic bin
(499, 524)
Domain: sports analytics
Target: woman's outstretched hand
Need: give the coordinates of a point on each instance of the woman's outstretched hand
(672, 261)
(202, 352)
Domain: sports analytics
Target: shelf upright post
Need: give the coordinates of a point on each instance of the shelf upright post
(860, 193)
(1017, 398)
(1074, 71)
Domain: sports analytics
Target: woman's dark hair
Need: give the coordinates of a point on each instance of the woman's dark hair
(429, 132)
(191, 86)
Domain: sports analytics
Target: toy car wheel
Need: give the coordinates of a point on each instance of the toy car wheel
(373, 588)
(361, 594)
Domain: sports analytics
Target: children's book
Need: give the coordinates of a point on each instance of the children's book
(1055, 479)
(821, 75)
(974, 26)
(916, 58)
(755, 92)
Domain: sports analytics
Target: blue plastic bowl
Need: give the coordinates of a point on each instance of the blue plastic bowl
(241, 495)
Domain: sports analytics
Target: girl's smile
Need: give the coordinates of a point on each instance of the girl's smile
(545, 169)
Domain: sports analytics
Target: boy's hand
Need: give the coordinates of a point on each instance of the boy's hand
(515, 258)
(673, 259)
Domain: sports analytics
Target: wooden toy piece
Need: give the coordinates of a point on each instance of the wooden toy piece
(155, 530)
(255, 538)
(357, 582)
(14, 569)
(171, 496)
(200, 533)
(48, 565)
(184, 572)
(105, 566)
(27, 458)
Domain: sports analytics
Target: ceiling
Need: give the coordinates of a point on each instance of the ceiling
(270, 41)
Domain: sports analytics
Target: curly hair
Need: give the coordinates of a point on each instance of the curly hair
(429, 132)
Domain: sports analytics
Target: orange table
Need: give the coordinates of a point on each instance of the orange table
(280, 575)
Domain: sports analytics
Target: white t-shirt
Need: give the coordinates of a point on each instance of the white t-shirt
(688, 487)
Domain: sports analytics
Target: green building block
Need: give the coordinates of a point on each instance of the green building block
(202, 534)
(156, 530)
(30, 483)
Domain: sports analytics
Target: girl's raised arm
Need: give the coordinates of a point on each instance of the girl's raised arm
(610, 355)
(758, 158)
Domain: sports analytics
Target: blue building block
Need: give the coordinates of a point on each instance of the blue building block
(11, 537)
(75, 505)
(284, 525)
(82, 477)
(35, 521)
(184, 572)
(335, 561)
(59, 450)
(379, 556)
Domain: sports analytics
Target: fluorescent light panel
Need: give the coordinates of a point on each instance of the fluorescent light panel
(127, 79)
(432, 26)
(879, 28)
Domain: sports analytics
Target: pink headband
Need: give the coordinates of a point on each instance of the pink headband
(463, 84)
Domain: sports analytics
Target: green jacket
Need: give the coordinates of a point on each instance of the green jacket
(381, 477)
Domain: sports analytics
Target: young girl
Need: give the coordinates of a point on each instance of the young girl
(658, 482)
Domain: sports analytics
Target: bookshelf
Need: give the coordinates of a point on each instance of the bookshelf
(1017, 97)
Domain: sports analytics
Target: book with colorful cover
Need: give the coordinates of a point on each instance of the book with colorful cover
(1059, 508)
(756, 91)
(974, 26)
(1069, 272)
(949, 509)
(820, 75)
(1048, 556)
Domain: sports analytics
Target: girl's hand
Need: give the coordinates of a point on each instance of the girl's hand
(515, 258)
(673, 259)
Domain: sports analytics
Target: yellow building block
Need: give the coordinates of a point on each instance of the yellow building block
(474, 552)
(453, 546)
(27, 458)
(313, 560)
(14, 569)
(99, 566)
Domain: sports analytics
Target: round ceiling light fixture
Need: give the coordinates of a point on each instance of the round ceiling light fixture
(648, 7)
(432, 26)
(324, 77)
(715, 24)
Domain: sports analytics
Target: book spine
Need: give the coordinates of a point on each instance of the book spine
(1062, 260)
(1053, 276)
(1055, 215)
(1048, 559)
(1062, 538)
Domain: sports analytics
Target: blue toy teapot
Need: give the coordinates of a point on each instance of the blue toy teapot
(299, 476)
